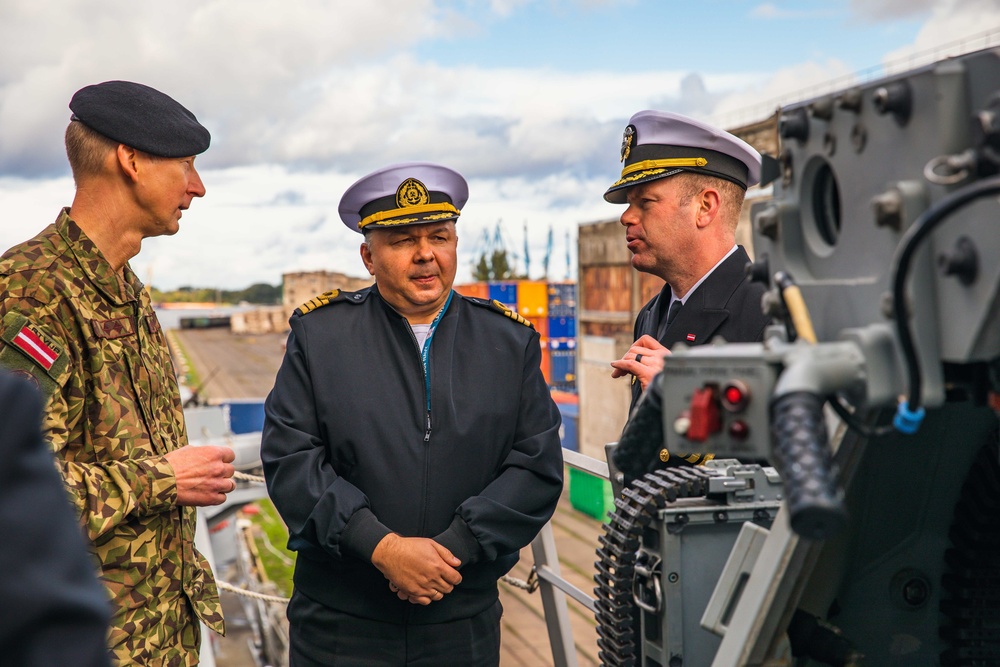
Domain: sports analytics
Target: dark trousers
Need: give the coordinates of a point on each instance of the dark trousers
(322, 637)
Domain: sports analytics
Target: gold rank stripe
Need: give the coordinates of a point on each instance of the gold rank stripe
(645, 169)
(511, 314)
(386, 217)
(318, 301)
(668, 163)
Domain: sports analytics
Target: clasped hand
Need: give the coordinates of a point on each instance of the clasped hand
(418, 569)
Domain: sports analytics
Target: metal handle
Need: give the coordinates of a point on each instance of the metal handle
(801, 453)
(640, 584)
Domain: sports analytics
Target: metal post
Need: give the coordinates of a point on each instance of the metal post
(543, 549)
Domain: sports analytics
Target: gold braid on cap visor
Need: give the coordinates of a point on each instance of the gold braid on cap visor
(445, 209)
(655, 166)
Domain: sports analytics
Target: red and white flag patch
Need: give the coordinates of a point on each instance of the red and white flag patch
(31, 344)
(690, 338)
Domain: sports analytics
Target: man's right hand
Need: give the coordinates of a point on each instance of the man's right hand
(204, 474)
(418, 568)
(643, 360)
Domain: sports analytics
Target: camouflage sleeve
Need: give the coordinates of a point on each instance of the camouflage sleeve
(105, 493)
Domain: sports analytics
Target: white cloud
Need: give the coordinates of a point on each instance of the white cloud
(304, 97)
(769, 10)
(955, 26)
(890, 9)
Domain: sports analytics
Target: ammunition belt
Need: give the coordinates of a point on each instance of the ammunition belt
(970, 584)
(617, 617)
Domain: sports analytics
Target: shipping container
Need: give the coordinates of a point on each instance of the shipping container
(477, 290)
(570, 397)
(505, 293)
(562, 357)
(562, 327)
(546, 363)
(532, 298)
(562, 300)
(568, 431)
(541, 325)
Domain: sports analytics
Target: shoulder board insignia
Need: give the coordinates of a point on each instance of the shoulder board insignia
(511, 314)
(498, 307)
(318, 301)
(332, 296)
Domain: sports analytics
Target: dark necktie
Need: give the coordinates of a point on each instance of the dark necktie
(675, 307)
(661, 329)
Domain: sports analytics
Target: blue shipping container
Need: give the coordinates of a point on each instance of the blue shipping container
(562, 300)
(505, 293)
(562, 327)
(245, 416)
(568, 431)
(562, 362)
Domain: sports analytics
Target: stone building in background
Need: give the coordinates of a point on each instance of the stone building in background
(298, 287)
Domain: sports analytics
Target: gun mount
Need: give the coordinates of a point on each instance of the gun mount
(874, 396)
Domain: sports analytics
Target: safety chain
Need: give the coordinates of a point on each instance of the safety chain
(246, 477)
(531, 585)
(617, 617)
(277, 599)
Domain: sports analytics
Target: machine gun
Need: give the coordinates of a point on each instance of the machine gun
(875, 398)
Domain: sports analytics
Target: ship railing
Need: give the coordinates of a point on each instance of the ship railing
(552, 587)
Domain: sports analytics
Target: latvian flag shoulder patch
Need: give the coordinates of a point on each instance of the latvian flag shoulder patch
(32, 342)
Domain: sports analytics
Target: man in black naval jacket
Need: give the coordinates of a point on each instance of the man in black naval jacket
(410, 443)
(684, 183)
(53, 610)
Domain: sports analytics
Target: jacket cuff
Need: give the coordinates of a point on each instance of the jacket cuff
(362, 534)
(461, 542)
(156, 486)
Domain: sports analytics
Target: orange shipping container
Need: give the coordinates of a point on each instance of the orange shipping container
(546, 361)
(477, 290)
(533, 298)
(541, 325)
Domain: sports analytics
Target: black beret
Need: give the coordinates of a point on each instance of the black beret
(140, 117)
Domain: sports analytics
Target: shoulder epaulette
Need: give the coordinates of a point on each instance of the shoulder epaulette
(498, 307)
(332, 296)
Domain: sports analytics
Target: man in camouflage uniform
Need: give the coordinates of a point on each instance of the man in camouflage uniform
(77, 322)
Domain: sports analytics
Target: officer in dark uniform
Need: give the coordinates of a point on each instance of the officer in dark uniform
(410, 443)
(53, 610)
(684, 183)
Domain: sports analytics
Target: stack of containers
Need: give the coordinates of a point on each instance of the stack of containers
(533, 305)
(477, 290)
(505, 293)
(551, 309)
(562, 335)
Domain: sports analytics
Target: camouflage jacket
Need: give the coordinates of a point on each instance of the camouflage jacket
(91, 341)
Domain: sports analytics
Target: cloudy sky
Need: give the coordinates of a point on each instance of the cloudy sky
(527, 98)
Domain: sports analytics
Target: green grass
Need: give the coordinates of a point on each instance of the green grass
(278, 567)
(191, 377)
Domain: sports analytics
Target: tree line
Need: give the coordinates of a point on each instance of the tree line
(258, 293)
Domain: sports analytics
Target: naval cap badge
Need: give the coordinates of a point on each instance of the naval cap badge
(411, 192)
(627, 138)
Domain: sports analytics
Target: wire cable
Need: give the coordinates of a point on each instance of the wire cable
(910, 410)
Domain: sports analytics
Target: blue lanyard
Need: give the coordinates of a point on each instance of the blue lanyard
(425, 354)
